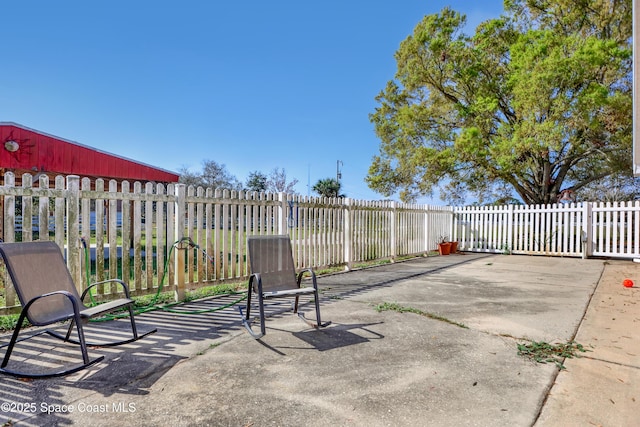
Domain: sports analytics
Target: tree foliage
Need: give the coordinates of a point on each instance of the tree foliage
(328, 187)
(257, 181)
(537, 101)
(276, 182)
(213, 175)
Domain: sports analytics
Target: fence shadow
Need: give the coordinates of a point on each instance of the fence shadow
(128, 369)
(340, 286)
(184, 332)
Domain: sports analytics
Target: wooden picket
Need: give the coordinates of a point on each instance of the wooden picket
(172, 237)
(146, 234)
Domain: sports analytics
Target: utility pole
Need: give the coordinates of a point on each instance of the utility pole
(338, 171)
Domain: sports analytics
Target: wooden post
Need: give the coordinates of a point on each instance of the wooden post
(180, 251)
(73, 229)
(180, 288)
(9, 234)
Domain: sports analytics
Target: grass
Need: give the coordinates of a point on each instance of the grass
(9, 322)
(543, 352)
(387, 306)
(169, 296)
(214, 345)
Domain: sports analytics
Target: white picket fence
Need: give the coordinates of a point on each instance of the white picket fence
(136, 232)
(579, 230)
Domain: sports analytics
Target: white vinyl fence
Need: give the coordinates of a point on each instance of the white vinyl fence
(579, 230)
(139, 233)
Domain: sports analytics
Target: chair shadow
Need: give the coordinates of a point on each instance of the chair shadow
(330, 338)
(338, 335)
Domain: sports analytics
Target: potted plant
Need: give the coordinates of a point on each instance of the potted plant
(454, 247)
(444, 246)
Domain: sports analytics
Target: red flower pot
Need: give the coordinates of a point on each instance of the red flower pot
(444, 248)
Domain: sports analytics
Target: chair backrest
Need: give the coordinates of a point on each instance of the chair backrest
(271, 257)
(37, 268)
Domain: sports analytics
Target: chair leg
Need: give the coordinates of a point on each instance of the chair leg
(248, 303)
(83, 343)
(295, 304)
(86, 361)
(14, 338)
(317, 301)
(318, 323)
(135, 336)
(75, 320)
(134, 330)
(263, 329)
(245, 319)
(66, 338)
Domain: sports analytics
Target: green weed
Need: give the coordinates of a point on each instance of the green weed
(387, 306)
(543, 352)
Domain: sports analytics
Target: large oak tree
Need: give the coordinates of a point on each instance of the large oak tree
(536, 102)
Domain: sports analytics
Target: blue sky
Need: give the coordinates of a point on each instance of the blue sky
(253, 85)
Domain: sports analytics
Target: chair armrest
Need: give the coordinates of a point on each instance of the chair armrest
(68, 295)
(313, 277)
(123, 284)
(255, 280)
(49, 294)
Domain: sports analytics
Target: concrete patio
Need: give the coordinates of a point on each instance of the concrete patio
(453, 361)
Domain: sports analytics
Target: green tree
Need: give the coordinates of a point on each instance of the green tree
(276, 182)
(257, 181)
(328, 187)
(538, 99)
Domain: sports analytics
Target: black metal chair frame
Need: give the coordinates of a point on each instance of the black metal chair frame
(76, 312)
(294, 289)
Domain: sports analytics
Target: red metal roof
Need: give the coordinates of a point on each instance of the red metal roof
(26, 149)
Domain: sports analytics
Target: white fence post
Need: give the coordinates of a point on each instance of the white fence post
(73, 228)
(587, 230)
(450, 223)
(427, 231)
(282, 213)
(347, 233)
(510, 223)
(393, 227)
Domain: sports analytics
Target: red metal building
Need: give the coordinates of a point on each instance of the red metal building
(24, 150)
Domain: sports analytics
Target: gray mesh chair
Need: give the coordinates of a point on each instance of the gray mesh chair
(48, 295)
(273, 275)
